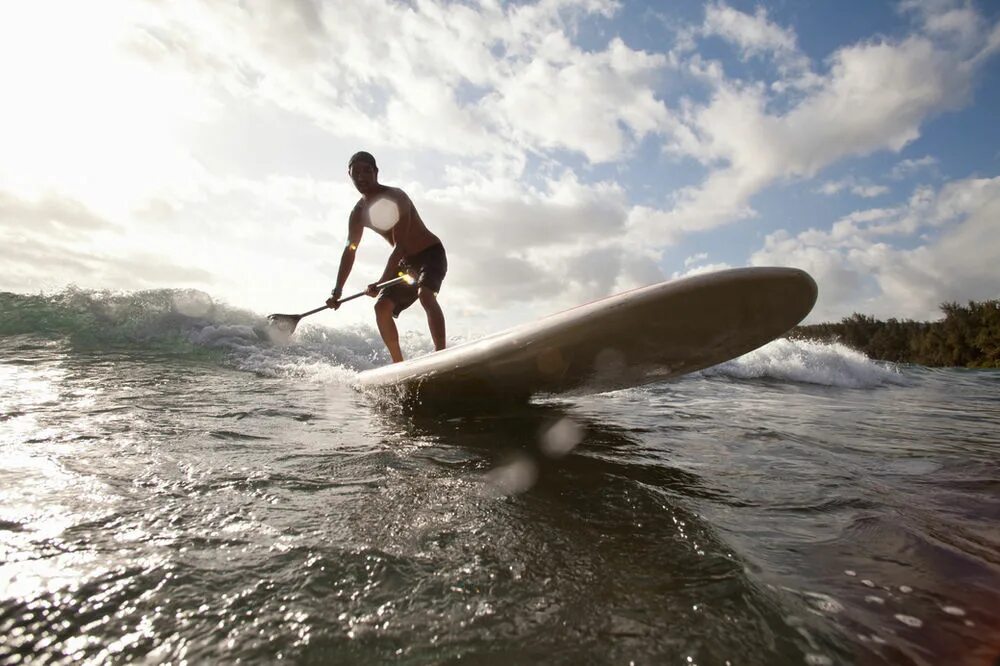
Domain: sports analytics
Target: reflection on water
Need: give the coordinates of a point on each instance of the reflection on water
(601, 546)
(171, 509)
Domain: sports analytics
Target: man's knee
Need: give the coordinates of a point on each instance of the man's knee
(426, 296)
(383, 308)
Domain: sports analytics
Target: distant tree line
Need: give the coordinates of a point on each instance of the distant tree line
(968, 336)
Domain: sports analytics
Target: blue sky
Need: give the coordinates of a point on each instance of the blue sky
(564, 150)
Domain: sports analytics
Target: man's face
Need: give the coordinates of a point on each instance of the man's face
(364, 175)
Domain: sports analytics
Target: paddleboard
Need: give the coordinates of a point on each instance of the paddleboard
(650, 334)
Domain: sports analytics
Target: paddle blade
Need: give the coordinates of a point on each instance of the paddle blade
(283, 323)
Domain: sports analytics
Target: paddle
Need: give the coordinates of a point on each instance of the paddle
(286, 323)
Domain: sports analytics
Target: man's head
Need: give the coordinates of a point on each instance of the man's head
(363, 171)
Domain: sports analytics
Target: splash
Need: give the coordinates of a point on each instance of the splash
(161, 317)
(827, 364)
(187, 322)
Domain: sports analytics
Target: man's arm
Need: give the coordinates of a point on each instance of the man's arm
(354, 231)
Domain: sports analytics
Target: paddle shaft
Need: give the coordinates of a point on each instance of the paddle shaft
(380, 285)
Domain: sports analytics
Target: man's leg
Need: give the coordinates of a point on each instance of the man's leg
(435, 318)
(387, 328)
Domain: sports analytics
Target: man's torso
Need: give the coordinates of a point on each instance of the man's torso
(409, 234)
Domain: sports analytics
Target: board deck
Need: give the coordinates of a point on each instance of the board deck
(645, 335)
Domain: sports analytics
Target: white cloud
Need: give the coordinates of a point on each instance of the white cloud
(544, 248)
(857, 270)
(53, 241)
(869, 191)
(695, 259)
(756, 36)
(699, 269)
(905, 168)
(580, 101)
(167, 122)
(860, 188)
(753, 34)
(948, 19)
(875, 96)
(467, 80)
(215, 134)
(832, 187)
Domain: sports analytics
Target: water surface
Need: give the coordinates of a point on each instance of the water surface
(170, 489)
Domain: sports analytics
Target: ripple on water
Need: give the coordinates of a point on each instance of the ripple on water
(231, 517)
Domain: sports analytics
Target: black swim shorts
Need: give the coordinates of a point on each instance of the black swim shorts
(428, 268)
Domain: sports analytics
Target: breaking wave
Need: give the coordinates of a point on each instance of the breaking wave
(810, 362)
(189, 322)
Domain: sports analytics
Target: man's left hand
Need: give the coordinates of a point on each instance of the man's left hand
(334, 300)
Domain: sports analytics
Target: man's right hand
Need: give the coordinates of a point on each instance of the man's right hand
(334, 300)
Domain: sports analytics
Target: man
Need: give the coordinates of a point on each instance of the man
(415, 250)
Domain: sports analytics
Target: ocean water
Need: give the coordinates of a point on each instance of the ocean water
(174, 491)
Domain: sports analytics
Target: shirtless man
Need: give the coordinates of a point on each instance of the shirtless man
(415, 250)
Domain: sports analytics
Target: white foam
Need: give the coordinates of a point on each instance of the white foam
(828, 364)
(335, 353)
(223, 335)
(818, 660)
(274, 364)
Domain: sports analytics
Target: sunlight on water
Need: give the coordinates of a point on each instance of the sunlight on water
(23, 391)
(40, 497)
(172, 488)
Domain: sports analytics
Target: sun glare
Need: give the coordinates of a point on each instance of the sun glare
(83, 113)
(384, 214)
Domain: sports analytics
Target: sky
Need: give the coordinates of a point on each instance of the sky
(563, 150)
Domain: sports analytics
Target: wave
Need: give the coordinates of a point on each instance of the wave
(188, 322)
(810, 362)
(162, 317)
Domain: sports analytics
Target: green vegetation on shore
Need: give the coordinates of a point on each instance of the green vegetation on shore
(968, 336)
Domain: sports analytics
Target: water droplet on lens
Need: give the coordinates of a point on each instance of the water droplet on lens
(561, 438)
(909, 620)
(515, 477)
